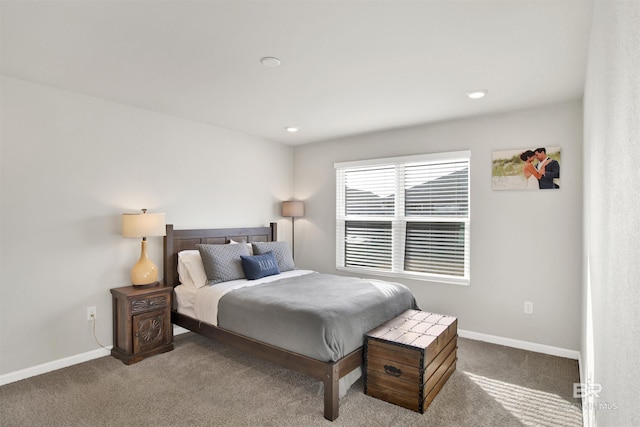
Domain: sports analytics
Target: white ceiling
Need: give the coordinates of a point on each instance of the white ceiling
(348, 67)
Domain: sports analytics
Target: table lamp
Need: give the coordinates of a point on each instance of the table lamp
(144, 272)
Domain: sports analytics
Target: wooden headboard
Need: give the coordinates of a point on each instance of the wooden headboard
(180, 240)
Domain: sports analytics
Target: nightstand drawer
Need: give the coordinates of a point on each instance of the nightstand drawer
(144, 304)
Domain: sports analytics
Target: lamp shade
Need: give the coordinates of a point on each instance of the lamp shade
(293, 208)
(143, 225)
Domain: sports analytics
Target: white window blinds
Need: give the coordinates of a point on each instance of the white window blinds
(405, 216)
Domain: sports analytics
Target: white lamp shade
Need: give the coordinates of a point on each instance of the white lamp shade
(143, 225)
(293, 208)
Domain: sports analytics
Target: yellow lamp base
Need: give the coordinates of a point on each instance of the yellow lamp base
(144, 272)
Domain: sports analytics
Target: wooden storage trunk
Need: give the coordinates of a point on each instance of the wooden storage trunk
(409, 358)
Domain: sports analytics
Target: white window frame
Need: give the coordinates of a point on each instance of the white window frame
(398, 220)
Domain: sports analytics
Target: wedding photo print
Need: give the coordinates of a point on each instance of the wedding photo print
(536, 168)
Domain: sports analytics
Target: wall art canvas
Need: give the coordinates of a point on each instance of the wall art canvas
(536, 168)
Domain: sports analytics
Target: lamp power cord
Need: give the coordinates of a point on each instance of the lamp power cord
(93, 324)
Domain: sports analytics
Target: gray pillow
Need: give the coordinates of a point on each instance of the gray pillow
(222, 262)
(281, 251)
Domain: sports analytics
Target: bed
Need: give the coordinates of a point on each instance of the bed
(333, 360)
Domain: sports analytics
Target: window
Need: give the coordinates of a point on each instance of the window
(405, 216)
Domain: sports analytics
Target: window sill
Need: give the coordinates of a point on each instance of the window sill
(405, 275)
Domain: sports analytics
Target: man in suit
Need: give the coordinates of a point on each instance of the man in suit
(551, 170)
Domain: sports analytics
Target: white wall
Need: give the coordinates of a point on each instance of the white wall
(611, 354)
(71, 165)
(525, 246)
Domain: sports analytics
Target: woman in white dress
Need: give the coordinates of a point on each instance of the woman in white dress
(531, 174)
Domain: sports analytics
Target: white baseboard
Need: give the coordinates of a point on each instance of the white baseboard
(177, 330)
(522, 345)
(22, 374)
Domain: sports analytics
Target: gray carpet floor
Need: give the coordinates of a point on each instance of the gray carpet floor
(203, 383)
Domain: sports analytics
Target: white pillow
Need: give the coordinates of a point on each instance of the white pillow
(183, 274)
(233, 242)
(190, 269)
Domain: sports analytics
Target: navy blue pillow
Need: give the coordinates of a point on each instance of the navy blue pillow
(258, 266)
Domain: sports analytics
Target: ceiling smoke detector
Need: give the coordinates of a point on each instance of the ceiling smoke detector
(270, 61)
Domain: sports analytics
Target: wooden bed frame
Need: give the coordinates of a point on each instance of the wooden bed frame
(328, 372)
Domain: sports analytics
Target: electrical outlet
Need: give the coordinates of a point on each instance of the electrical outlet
(91, 313)
(528, 307)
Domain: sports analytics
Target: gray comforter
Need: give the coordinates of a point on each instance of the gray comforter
(318, 315)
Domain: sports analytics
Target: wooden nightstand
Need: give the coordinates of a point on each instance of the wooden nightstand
(141, 322)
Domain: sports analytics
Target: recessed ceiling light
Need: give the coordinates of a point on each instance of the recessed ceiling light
(291, 129)
(477, 94)
(270, 61)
